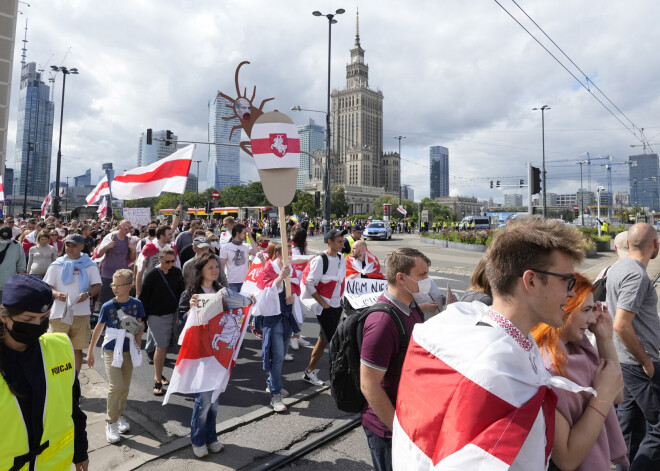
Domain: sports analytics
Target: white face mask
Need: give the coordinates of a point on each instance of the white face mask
(215, 244)
(423, 288)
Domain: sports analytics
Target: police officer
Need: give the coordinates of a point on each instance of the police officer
(356, 234)
(39, 389)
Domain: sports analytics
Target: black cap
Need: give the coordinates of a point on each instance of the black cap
(27, 293)
(5, 233)
(332, 233)
(357, 228)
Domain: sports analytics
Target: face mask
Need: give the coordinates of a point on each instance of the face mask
(263, 245)
(151, 232)
(423, 288)
(215, 244)
(28, 333)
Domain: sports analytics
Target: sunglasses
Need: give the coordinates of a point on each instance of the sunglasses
(168, 261)
(570, 278)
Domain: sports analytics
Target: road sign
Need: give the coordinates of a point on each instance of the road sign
(215, 194)
(576, 207)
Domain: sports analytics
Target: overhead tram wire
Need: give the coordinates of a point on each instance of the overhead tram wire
(632, 131)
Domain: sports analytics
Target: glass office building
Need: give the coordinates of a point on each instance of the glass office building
(439, 183)
(224, 166)
(644, 181)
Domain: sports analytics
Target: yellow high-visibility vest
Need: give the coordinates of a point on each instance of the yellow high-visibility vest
(58, 431)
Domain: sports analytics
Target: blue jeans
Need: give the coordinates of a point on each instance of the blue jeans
(279, 341)
(641, 405)
(202, 425)
(236, 287)
(381, 450)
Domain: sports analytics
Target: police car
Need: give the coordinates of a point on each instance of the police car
(377, 230)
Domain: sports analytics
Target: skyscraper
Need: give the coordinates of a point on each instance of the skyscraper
(439, 183)
(84, 179)
(644, 181)
(34, 134)
(312, 138)
(150, 153)
(224, 166)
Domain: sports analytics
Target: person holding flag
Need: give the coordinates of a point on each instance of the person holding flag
(362, 263)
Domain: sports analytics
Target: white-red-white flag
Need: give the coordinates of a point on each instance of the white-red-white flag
(46, 204)
(2, 190)
(63, 191)
(99, 191)
(169, 174)
(402, 210)
(102, 210)
(474, 394)
(208, 349)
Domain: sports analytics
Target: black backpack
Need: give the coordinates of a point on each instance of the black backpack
(345, 348)
(600, 285)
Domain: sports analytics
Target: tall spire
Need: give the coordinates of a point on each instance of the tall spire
(357, 27)
(24, 49)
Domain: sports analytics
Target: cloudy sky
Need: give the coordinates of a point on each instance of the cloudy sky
(456, 73)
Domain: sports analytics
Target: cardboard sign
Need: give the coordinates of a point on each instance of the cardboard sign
(363, 292)
(137, 216)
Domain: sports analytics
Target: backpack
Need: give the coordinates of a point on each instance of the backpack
(600, 285)
(326, 261)
(345, 348)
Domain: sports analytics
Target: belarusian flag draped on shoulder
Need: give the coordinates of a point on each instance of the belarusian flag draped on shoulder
(169, 174)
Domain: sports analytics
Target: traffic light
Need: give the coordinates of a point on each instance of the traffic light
(536, 180)
(521, 183)
(149, 136)
(168, 137)
(491, 184)
(207, 208)
(497, 184)
(317, 200)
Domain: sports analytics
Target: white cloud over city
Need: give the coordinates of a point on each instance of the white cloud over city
(456, 73)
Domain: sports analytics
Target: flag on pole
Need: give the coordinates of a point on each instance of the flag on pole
(401, 210)
(169, 174)
(46, 204)
(209, 348)
(100, 190)
(102, 211)
(2, 190)
(63, 192)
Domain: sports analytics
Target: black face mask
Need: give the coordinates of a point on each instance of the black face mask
(28, 333)
(151, 232)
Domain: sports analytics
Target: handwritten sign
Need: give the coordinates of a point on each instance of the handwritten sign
(363, 292)
(137, 216)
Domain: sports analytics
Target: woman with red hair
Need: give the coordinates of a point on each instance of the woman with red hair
(587, 432)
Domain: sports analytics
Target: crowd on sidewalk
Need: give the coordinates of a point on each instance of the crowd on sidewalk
(536, 367)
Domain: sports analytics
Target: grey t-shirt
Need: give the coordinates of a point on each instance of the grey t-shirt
(629, 287)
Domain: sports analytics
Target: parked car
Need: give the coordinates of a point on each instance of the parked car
(377, 230)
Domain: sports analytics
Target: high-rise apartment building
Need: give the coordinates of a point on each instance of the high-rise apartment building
(8, 13)
(312, 138)
(224, 166)
(34, 134)
(439, 182)
(157, 150)
(645, 181)
(84, 179)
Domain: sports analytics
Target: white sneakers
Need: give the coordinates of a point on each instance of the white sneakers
(203, 451)
(311, 377)
(283, 392)
(288, 357)
(302, 342)
(297, 342)
(111, 432)
(123, 425)
(276, 402)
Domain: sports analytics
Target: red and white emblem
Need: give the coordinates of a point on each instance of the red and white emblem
(279, 144)
(224, 334)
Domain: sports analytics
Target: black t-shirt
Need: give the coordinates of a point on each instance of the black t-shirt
(155, 295)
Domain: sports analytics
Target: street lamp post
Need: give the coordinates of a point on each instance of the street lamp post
(197, 188)
(598, 192)
(581, 163)
(545, 186)
(66, 200)
(400, 183)
(326, 177)
(56, 199)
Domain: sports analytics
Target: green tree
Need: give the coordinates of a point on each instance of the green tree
(303, 202)
(440, 211)
(338, 204)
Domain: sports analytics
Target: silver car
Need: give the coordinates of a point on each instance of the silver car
(377, 230)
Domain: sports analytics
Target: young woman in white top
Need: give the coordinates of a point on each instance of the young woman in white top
(41, 256)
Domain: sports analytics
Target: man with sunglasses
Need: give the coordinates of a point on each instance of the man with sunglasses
(632, 298)
(474, 392)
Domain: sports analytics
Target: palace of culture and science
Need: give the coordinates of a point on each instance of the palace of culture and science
(357, 161)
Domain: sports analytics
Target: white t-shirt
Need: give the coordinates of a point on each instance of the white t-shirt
(237, 261)
(54, 278)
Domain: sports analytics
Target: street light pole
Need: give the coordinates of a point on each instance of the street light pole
(197, 189)
(400, 183)
(66, 200)
(545, 186)
(326, 177)
(581, 163)
(56, 199)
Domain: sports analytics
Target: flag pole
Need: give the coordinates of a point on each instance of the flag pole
(285, 247)
(107, 175)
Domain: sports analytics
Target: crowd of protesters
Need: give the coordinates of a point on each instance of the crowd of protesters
(553, 378)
